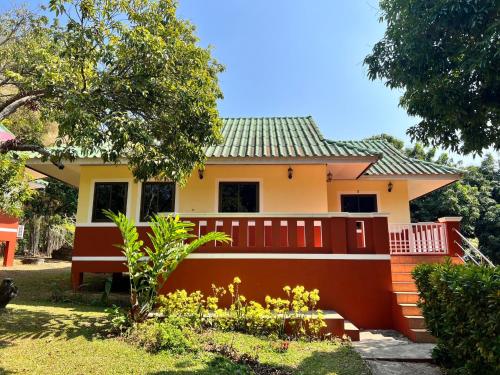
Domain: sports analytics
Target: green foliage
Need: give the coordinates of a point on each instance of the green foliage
(444, 55)
(118, 319)
(296, 315)
(125, 79)
(396, 142)
(170, 334)
(461, 307)
(14, 185)
(172, 243)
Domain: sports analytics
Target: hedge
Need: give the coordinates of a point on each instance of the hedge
(461, 307)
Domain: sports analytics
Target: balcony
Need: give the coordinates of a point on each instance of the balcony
(337, 233)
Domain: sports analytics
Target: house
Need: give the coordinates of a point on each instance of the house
(301, 209)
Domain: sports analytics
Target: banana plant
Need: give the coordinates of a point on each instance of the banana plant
(150, 267)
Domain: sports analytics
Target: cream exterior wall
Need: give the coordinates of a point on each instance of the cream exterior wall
(306, 192)
(396, 202)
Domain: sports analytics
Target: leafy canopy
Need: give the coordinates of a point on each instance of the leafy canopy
(444, 55)
(122, 78)
(14, 185)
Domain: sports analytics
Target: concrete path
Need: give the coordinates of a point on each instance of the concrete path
(389, 352)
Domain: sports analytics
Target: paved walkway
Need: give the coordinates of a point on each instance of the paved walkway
(388, 352)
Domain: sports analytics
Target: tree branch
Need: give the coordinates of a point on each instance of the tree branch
(17, 101)
(16, 145)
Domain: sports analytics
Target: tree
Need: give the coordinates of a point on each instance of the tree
(172, 242)
(125, 79)
(444, 55)
(14, 185)
(398, 143)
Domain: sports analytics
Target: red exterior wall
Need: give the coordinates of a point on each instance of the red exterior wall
(8, 234)
(358, 289)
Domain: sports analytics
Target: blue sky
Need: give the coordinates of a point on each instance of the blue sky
(295, 58)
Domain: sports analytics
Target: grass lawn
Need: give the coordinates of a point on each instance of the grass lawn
(38, 336)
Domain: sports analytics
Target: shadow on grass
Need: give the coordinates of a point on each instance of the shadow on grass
(26, 324)
(319, 363)
(52, 280)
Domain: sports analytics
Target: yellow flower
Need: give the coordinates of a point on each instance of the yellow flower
(237, 280)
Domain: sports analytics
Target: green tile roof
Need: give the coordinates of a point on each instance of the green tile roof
(300, 137)
(394, 162)
(278, 137)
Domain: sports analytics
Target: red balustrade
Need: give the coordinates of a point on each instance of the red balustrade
(297, 234)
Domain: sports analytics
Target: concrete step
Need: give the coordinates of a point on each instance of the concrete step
(401, 286)
(351, 330)
(402, 276)
(406, 297)
(421, 336)
(417, 259)
(402, 267)
(410, 309)
(333, 320)
(415, 321)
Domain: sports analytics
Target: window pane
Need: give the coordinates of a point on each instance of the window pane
(349, 203)
(157, 197)
(228, 197)
(109, 196)
(359, 203)
(238, 197)
(248, 198)
(367, 203)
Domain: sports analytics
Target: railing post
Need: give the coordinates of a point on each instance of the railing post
(380, 229)
(338, 235)
(452, 236)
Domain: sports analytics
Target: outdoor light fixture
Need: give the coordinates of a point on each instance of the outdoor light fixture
(329, 176)
(390, 186)
(290, 173)
(200, 173)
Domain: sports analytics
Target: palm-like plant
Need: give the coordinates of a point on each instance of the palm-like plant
(150, 267)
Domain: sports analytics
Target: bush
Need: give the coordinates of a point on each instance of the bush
(461, 307)
(170, 334)
(297, 315)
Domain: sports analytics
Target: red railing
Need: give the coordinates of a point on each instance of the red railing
(341, 233)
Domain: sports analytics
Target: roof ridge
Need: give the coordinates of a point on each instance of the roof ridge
(356, 147)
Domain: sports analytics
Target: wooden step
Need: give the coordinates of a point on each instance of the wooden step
(415, 321)
(351, 330)
(402, 276)
(410, 309)
(421, 336)
(401, 286)
(406, 297)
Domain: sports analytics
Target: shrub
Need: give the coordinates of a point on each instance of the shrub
(118, 319)
(170, 334)
(461, 307)
(297, 315)
(172, 241)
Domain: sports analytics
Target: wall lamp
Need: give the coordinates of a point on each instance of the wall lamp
(201, 173)
(329, 176)
(290, 173)
(390, 186)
